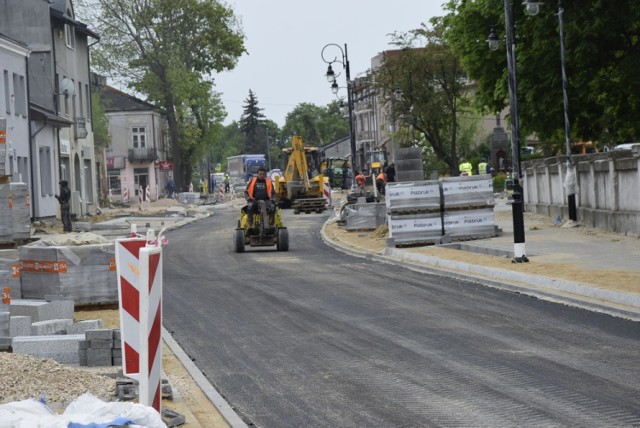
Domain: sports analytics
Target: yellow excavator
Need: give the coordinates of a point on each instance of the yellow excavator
(302, 182)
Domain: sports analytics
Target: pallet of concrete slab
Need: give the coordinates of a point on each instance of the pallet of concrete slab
(462, 193)
(20, 212)
(366, 216)
(413, 197)
(415, 229)
(10, 272)
(465, 225)
(188, 197)
(85, 274)
(6, 218)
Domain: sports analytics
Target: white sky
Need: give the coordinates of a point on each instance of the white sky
(284, 39)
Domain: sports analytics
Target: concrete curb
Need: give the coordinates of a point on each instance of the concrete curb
(619, 304)
(227, 412)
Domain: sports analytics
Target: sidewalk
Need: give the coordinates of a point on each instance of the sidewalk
(579, 266)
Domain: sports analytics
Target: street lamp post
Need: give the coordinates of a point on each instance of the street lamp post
(519, 253)
(331, 77)
(532, 8)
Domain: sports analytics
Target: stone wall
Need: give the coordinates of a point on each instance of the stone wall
(608, 192)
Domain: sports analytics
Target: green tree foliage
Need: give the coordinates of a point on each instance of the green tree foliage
(251, 125)
(167, 50)
(432, 81)
(602, 41)
(316, 125)
(99, 120)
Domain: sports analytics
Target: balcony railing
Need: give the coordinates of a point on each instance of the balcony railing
(143, 155)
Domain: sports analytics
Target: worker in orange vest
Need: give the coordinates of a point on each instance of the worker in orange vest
(360, 181)
(260, 188)
(381, 181)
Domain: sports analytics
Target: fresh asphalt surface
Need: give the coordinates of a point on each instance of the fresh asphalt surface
(314, 337)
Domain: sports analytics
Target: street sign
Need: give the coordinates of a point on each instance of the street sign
(165, 165)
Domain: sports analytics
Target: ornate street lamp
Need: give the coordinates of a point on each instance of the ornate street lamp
(570, 181)
(331, 78)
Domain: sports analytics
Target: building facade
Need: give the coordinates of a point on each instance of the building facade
(14, 109)
(60, 140)
(139, 142)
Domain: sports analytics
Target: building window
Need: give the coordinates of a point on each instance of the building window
(139, 137)
(70, 36)
(114, 181)
(80, 101)
(46, 183)
(7, 92)
(20, 94)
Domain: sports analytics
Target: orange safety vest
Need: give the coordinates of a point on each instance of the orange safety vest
(253, 183)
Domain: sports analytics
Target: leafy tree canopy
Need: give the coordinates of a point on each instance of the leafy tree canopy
(602, 60)
(316, 125)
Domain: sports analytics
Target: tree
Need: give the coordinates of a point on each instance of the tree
(166, 49)
(432, 81)
(602, 41)
(316, 125)
(251, 125)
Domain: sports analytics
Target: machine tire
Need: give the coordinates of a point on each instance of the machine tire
(283, 239)
(238, 240)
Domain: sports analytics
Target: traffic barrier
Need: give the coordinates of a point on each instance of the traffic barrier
(139, 265)
(125, 194)
(110, 197)
(190, 187)
(327, 193)
(148, 194)
(139, 198)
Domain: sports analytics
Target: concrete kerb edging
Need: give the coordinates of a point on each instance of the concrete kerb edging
(624, 305)
(227, 412)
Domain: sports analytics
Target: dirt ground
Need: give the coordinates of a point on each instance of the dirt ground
(375, 242)
(189, 400)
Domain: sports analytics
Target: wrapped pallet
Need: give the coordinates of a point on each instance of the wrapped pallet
(6, 220)
(84, 273)
(469, 224)
(10, 272)
(413, 196)
(460, 193)
(415, 229)
(365, 216)
(20, 211)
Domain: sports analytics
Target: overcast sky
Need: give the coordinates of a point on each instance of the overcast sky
(284, 39)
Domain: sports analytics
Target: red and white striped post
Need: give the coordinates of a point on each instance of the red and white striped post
(139, 266)
(125, 194)
(148, 193)
(327, 193)
(140, 198)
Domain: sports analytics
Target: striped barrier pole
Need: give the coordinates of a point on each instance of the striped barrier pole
(110, 197)
(151, 323)
(125, 194)
(139, 269)
(139, 198)
(148, 193)
(327, 193)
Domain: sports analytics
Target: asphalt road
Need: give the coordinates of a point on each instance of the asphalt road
(314, 337)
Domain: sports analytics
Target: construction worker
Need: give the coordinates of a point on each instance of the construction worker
(466, 169)
(64, 198)
(381, 181)
(226, 183)
(360, 181)
(260, 188)
(483, 167)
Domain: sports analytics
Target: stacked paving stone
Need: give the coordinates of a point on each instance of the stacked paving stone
(440, 211)
(468, 207)
(20, 212)
(414, 212)
(45, 329)
(10, 272)
(101, 347)
(85, 273)
(6, 219)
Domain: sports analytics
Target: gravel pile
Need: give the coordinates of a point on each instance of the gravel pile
(23, 377)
